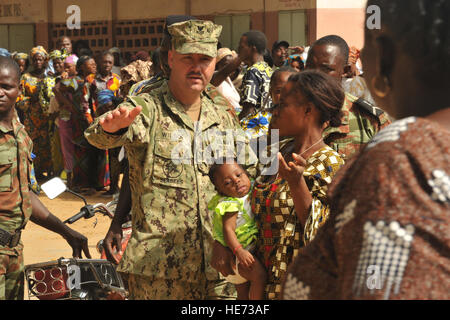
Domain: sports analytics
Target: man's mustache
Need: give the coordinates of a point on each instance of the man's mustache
(194, 74)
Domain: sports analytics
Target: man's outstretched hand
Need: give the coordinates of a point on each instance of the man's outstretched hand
(119, 119)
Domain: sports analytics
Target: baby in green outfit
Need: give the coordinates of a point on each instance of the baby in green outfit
(234, 227)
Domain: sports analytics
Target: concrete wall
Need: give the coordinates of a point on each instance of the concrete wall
(91, 10)
(148, 9)
(23, 11)
(342, 17)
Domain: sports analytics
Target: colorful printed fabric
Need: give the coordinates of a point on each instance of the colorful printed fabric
(320, 170)
(280, 233)
(360, 122)
(33, 182)
(90, 164)
(256, 84)
(36, 121)
(246, 229)
(46, 92)
(104, 97)
(257, 125)
(72, 59)
(38, 50)
(388, 232)
(295, 57)
(57, 54)
(20, 56)
(93, 85)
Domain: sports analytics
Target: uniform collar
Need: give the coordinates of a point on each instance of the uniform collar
(16, 125)
(207, 118)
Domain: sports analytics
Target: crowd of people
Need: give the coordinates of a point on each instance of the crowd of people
(352, 190)
(61, 93)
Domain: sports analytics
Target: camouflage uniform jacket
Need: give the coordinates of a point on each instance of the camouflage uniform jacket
(360, 122)
(15, 167)
(172, 226)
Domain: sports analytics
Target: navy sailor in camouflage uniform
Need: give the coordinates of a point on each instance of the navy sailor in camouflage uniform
(168, 255)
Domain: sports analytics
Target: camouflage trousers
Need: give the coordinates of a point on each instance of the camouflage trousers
(147, 288)
(11, 277)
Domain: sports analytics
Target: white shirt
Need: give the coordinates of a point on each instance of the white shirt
(227, 89)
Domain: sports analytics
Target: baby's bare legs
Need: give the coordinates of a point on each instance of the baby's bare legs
(257, 276)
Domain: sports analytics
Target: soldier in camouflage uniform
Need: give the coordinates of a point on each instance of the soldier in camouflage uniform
(17, 203)
(361, 120)
(169, 251)
(114, 235)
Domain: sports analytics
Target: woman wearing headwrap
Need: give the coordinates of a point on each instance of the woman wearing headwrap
(64, 109)
(45, 95)
(22, 60)
(71, 94)
(36, 120)
(94, 83)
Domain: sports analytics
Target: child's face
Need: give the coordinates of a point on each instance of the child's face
(278, 84)
(296, 66)
(231, 180)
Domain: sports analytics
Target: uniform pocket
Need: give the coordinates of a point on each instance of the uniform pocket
(5, 175)
(170, 164)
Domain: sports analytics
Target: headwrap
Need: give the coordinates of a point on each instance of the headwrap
(106, 96)
(56, 54)
(20, 56)
(38, 50)
(4, 53)
(114, 50)
(295, 57)
(72, 59)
